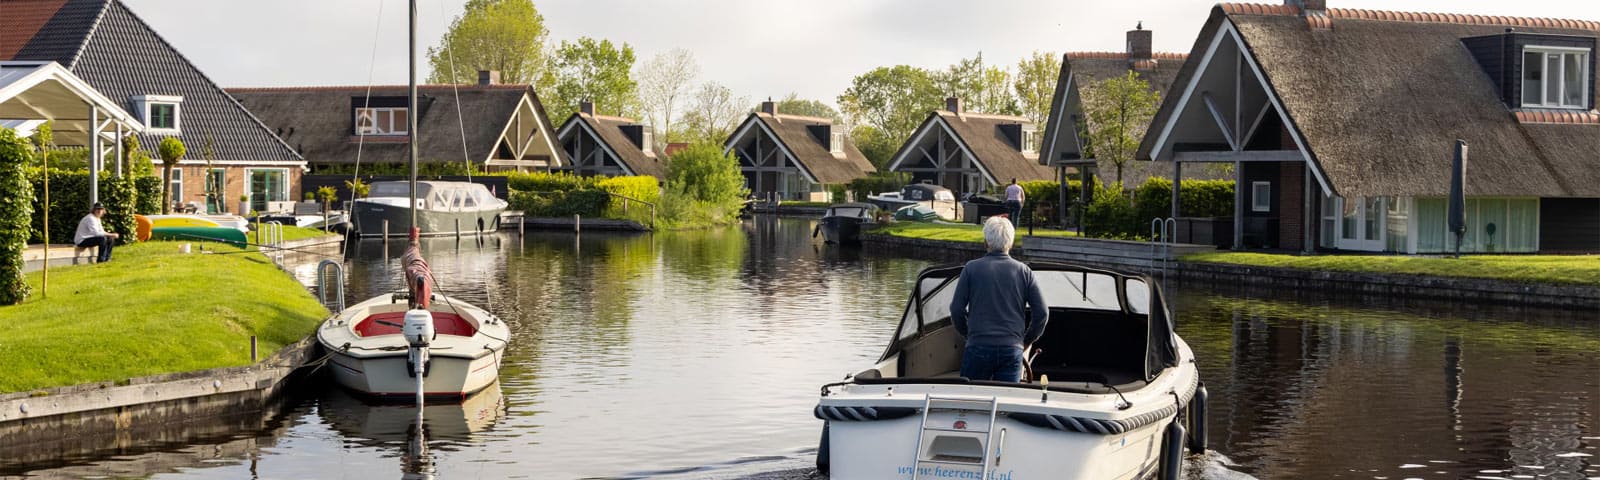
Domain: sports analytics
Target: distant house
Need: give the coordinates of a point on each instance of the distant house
(1063, 145)
(971, 152)
(495, 126)
(793, 157)
(110, 48)
(602, 145)
(1340, 125)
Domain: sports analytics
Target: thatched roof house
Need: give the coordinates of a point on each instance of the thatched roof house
(604, 145)
(971, 152)
(492, 125)
(104, 43)
(794, 157)
(1341, 124)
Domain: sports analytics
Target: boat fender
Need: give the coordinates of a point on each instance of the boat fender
(823, 458)
(1197, 421)
(1172, 451)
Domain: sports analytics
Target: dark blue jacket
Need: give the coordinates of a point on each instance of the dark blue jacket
(988, 305)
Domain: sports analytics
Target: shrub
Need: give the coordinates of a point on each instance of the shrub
(704, 187)
(840, 193)
(548, 182)
(1201, 198)
(643, 188)
(875, 183)
(172, 151)
(15, 211)
(148, 200)
(1111, 215)
(69, 202)
(119, 196)
(1043, 197)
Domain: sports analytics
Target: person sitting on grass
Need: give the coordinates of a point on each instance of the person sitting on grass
(988, 308)
(92, 234)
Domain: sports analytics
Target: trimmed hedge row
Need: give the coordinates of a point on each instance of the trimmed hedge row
(69, 202)
(15, 210)
(561, 194)
(1113, 214)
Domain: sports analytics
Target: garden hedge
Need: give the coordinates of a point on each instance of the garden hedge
(69, 200)
(15, 211)
(1121, 216)
(561, 194)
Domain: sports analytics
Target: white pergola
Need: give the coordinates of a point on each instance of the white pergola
(32, 93)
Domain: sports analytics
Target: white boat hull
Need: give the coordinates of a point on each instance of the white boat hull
(389, 376)
(370, 360)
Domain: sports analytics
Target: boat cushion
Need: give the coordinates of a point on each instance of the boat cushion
(443, 324)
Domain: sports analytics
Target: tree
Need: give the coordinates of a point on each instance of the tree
(704, 186)
(794, 105)
(981, 88)
(591, 69)
(1034, 84)
(875, 144)
(892, 99)
(1119, 110)
(171, 150)
(713, 113)
(503, 35)
(663, 81)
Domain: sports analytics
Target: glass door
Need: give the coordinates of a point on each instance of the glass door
(1361, 224)
(267, 185)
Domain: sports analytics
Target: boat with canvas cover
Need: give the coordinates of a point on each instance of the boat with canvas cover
(1110, 392)
(441, 208)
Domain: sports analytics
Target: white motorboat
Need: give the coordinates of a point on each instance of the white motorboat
(1111, 392)
(373, 350)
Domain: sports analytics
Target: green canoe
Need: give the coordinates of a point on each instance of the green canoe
(212, 234)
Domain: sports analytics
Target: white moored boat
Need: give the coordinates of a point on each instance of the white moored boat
(1111, 393)
(372, 344)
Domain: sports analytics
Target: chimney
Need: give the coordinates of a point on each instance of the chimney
(1139, 43)
(953, 104)
(1309, 7)
(488, 77)
(769, 107)
(586, 107)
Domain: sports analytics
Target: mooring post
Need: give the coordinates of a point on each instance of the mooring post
(253, 349)
(577, 223)
(385, 239)
(458, 229)
(522, 224)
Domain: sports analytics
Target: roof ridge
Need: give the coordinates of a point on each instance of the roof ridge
(1414, 17)
(1123, 55)
(93, 28)
(331, 88)
(805, 117)
(992, 116)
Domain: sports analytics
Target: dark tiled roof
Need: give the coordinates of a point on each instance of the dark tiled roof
(119, 54)
(812, 153)
(53, 30)
(610, 133)
(1378, 123)
(319, 123)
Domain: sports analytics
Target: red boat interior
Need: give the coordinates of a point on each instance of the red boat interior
(389, 323)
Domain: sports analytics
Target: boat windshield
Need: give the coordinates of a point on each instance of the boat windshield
(851, 211)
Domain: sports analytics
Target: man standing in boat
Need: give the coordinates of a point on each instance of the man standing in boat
(92, 234)
(988, 308)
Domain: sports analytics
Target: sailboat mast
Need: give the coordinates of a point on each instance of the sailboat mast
(411, 114)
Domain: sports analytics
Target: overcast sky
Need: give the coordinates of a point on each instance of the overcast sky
(759, 48)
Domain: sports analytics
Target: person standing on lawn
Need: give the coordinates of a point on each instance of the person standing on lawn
(92, 234)
(998, 308)
(1014, 199)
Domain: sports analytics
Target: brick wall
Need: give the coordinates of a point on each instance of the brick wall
(1291, 205)
(194, 184)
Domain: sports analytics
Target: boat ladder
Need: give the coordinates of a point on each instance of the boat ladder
(929, 455)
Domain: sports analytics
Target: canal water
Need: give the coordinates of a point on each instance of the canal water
(699, 355)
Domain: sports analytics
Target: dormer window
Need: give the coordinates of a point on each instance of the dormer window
(1555, 77)
(1030, 141)
(382, 121)
(648, 142)
(836, 143)
(161, 113)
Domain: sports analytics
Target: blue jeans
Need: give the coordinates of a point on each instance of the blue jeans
(103, 247)
(1014, 208)
(988, 362)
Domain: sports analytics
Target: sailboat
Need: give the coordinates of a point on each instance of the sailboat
(415, 342)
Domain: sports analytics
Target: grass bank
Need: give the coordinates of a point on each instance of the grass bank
(292, 233)
(151, 310)
(1559, 269)
(958, 232)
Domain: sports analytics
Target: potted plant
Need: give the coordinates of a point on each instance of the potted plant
(244, 203)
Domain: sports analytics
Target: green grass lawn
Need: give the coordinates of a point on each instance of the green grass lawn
(151, 310)
(1562, 269)
(292, 233)
(957, 232)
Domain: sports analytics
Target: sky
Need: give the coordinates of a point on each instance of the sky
(759, 48)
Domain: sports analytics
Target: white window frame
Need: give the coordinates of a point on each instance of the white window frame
(375, 130)
(177, 184)
(1030, 141)
(143, 103)
(1256, 196)
(836, 142)
(1561, 52)
(647, 140)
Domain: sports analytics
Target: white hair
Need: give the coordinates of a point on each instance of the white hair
(998, 233)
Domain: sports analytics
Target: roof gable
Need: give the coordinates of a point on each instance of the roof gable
(981, 137)
(794, 134)
(607, 131)
(1060, 141)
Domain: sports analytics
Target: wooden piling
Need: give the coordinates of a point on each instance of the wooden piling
(577, 223)
(254, 353)
(458, 229)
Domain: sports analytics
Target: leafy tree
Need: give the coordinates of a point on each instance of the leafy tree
(794, 105)
(878, 146)
(983, 89)
(504, 35)
(358, 188)
(704, 187)
(892, 99)
(171, 150)
(713, 114)
(1034, 84)
(135, 161)
(592, 69)
(663, 82)
(1118, 110)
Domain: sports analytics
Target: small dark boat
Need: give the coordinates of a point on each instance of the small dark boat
(843, 222)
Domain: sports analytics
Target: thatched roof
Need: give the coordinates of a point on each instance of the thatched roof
(814, 153)
(1380, 97)
(990, 147)
(319, 123)
(608, 130)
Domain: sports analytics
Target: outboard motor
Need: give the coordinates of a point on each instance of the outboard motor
(419, 333)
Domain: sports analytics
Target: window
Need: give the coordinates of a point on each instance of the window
(161, 112)
(216, 189)
(1030, 141)
(382, 121)
(177, 185)
(164, 116)
(267, 185)
(1555, 77)
(836, 144)
(648, 141)
(1260, 196)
